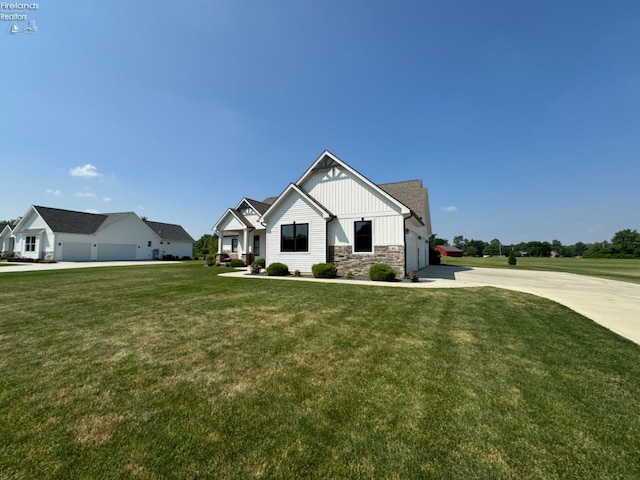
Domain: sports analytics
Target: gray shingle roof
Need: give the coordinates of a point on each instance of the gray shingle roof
(411, 193)
(68, 221)
(261, 207)
(169, 231)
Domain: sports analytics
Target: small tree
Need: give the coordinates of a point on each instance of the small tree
(512, 258)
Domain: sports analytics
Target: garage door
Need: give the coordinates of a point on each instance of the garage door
(116, 251)
(76, 252)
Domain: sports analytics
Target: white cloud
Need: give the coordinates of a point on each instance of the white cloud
(449, 208)
(87, 170)
(106, 199)
(85, 194)
(55, 193)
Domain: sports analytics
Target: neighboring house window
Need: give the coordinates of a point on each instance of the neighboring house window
(234, 245)
(30, 244)
(362, 239)
(256, 244)
(294, 237)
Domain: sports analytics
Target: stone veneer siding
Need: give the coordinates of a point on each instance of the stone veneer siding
(345, 260)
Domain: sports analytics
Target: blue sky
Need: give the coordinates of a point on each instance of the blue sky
(522, 118)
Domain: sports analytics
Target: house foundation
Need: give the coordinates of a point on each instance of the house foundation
(359, 263)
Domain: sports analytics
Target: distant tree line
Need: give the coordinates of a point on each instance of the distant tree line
(205, 245)
(624, 244)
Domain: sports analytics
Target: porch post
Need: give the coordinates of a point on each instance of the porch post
(219, 254)
(246, 255)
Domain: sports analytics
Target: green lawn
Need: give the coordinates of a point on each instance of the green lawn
(612, 269)
(169, 371)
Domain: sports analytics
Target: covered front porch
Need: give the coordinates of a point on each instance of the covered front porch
(246, 244)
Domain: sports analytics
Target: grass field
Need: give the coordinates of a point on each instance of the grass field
(612, 269)
(170, 371)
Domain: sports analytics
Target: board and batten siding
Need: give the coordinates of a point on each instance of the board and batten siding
(344, 194)
(385, 229)
(351, 199)
(297, 209)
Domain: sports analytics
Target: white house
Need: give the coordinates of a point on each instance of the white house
(333, 213)
(244, 236)
(66, 235)
(6, 238)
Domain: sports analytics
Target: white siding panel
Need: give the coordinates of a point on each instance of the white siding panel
(226, 244)
(344, 194)
(387, 230)
(297, 209)
(231, 223)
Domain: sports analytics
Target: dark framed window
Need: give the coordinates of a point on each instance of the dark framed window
(234, 245)
(294, 237)
(256, 244)
(362, 239)
(30, 244)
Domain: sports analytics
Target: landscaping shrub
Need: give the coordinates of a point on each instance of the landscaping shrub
(413, 276)
(296, 273)
(324, 270)
(512, 258)
(382, 272)
(260, 261)
(277, 269)
(210, 260)
(236, 262)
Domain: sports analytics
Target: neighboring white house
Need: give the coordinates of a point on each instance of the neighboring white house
(333, 214)
(6, 238)
(66, 235)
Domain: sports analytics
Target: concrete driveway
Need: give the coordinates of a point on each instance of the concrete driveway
(614, 305)
(40, 267)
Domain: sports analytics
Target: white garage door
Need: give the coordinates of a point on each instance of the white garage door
(76, 252)
(115, 251)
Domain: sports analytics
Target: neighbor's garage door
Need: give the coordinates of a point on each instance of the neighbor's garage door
(76, 252)
(113, 251)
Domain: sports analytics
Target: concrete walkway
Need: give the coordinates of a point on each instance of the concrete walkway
(612, 304)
